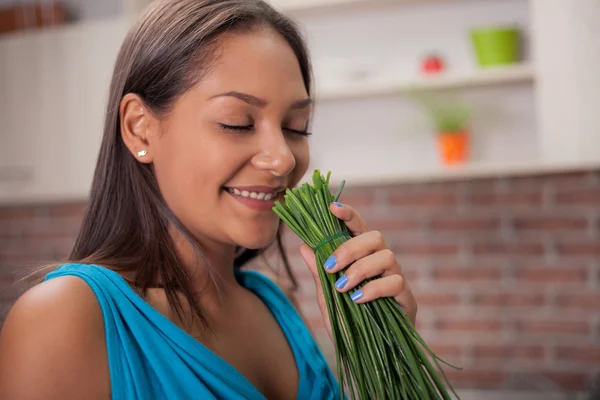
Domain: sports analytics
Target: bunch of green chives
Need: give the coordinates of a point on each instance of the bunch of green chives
(379, 352)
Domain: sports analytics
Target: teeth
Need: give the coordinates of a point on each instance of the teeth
(253, 195)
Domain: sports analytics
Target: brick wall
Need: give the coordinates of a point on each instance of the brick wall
(506, 271)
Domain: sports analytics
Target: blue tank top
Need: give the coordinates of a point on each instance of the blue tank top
(150, 357)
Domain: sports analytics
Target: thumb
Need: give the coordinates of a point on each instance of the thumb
(310, 260)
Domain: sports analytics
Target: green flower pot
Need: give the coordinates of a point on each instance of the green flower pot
(496, 45)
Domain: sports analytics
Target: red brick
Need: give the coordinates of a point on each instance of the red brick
(465, 274)
(509, 299)
(426, 249)
(16, 212)
(568, 380)
(532, 199)
(464, 223)
(551, 274)
(579, 248)
(549, 327)
(561, 380)
(512, 249)
(395, 225)
(561, 179)
(67, 210)
(48, 229)
(550, 223)
(476, 378)
(410, 274)
(584, 196)
(589, 301)
(578, 354)
(510, 352)
(355, 199)
(469, 325)
(423, 199)
(430, 299)
(443, 350)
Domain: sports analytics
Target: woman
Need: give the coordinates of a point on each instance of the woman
(206, 126)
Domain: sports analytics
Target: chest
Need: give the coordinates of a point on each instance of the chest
(256, 346)
(249, 339)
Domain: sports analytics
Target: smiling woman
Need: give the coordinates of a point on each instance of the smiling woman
(206, 126)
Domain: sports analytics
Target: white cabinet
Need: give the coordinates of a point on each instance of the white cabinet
(22, 104)
(53, 90)
(566, 36)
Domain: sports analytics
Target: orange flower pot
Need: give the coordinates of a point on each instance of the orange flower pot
(454, 147)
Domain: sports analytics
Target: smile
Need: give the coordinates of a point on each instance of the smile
(254, 195)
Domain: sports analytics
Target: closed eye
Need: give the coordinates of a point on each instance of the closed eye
(297, 132)
(237, 128)
(248, 128)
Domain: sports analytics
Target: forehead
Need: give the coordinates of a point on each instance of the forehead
(258, 62)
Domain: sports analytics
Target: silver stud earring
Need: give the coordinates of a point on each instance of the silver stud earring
(142, 153)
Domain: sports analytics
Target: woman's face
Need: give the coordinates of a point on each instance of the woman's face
(239, 132)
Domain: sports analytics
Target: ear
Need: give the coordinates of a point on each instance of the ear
(138, 127)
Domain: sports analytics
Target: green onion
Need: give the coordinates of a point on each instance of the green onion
(379, 353)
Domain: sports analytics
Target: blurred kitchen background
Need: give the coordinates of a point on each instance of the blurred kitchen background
(468, 131)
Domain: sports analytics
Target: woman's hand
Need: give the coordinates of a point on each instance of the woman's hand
(365, 255)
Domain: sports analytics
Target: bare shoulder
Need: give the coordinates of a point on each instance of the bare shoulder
(52, 344)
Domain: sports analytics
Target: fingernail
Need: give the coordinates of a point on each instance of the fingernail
(356, 295)
(330, 263)
(337, 203)
(341, 282)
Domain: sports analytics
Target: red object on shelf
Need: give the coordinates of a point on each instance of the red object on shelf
(432, 64)
(31, 16)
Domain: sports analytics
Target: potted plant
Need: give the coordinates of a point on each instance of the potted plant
(450, 120)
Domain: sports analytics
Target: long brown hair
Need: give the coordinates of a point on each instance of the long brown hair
(126, 223)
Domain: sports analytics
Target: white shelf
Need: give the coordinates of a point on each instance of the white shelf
(456, 173)
(294, 6)
(450, 80)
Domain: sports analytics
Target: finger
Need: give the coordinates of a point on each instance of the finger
(389, 286)
(355, 223)
(355, 249)
(379, 263)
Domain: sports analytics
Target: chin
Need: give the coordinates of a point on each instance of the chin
(255, 240)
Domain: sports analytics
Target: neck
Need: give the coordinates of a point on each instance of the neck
(211, 276)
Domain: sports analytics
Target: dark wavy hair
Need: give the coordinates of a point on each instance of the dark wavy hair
(126, 223)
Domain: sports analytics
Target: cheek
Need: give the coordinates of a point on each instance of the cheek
(302, 155)
(183, 164)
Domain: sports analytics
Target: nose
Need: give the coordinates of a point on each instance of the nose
(275, 155)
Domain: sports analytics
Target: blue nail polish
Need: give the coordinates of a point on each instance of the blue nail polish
(341, 282)
(337, 203)
(356, 295)
(330, 263)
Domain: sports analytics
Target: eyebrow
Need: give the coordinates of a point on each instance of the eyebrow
(255, 101)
